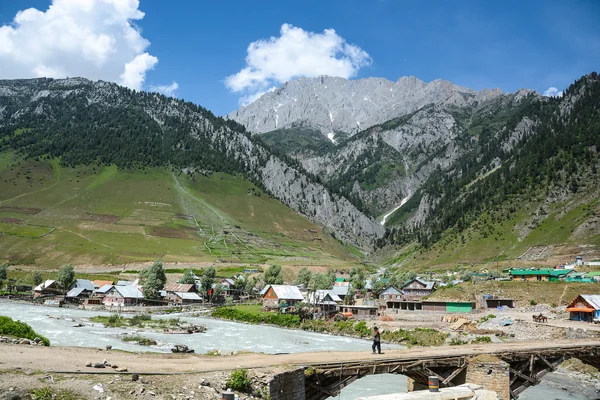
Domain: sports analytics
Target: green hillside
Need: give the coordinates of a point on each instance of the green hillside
(51, 215)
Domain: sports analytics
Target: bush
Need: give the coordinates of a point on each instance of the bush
(139, 319)
(19, 329)
(238, 380)
(144, 341)
(234, 314)
(532, 302)
(47, 393)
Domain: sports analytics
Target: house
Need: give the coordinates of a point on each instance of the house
(491, 302)
(341, 291)
(279, 296)
(390, 293)
(124, 283)
(585, 307)
(228, 287)
(417, 288)
(395, 306)
(123, 296)
(180, 287)
(47, 288)
(99, 283)
(173, 292)
(579, 277)
(595, 275)
(358, 311)
(85, 284)
(181, 298)
(542, 275)
(80, 288)
(325, 300)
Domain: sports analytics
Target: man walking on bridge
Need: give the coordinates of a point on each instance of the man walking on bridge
(376, 340)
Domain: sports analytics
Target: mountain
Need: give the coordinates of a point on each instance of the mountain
(99, 123)
(447, 166)
(337, 106)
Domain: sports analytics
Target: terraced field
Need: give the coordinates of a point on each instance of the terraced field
(51, 215)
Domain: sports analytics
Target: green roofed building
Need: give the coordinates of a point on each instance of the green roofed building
(546, 275)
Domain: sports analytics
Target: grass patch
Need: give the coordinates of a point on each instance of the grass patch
(48, 393)
(24, 230)
(19, 329)
(143, 341)
(272, 318)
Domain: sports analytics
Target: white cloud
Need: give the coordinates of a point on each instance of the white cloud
(95, 39)
(245, 100)
(295, 53)
(553, 92)
(167, 90)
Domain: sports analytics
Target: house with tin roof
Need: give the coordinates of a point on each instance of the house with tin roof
(279, 296)
(541, 275)
(123, 296)
(585, 307)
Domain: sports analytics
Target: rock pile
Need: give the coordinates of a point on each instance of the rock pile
(36, 341)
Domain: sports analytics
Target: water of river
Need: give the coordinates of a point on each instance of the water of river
(57, 325)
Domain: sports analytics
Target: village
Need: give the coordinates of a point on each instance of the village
(349, 294)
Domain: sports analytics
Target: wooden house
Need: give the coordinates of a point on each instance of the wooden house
(123, 296)
(325, 300)
(417, 288)
(47, 288)
(585, 307)
(390, 293)
(278, 296)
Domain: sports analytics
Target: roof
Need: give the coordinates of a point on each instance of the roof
(319, 296)
(104, 288)
(83, 283)
(340, 279)
(593, 273)
(340, 290)
(130, 292)
(99, 283)
(230, 281)
(124, 283)
(188, 296)
(550, 272)
(428, 285)
(593, 300)
(391, 290)
(44, 285)
(75, 292)
(286, 292)
(180, 287)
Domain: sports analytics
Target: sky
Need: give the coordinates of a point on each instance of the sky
(223, 54)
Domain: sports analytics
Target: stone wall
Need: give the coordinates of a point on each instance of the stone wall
(288, 385)
(412, 385)
(491, 373)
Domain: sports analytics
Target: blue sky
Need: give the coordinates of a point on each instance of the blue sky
(198, 44)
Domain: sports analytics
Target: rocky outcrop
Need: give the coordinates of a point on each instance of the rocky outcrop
(332, 104)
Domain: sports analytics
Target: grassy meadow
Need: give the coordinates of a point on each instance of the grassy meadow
(51, 215)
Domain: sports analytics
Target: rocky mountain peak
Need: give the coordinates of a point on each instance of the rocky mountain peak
(334, 104)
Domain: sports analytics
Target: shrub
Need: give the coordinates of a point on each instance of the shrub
(238, 380)
(139, 319)
(47, 393)
(532, 302)
(19, 329)
(144, 341)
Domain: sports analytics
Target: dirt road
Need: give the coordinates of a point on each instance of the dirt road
(73, 359)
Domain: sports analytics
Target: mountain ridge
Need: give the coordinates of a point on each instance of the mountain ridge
(333, 104)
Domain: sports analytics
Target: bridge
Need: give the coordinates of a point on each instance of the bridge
(507, 368)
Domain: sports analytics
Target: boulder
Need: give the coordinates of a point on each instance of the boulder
(25, 341)
(181, 348)
(89, 364)
(121, 369)
(99, 365)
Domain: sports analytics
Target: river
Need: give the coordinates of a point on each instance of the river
(57, 325)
